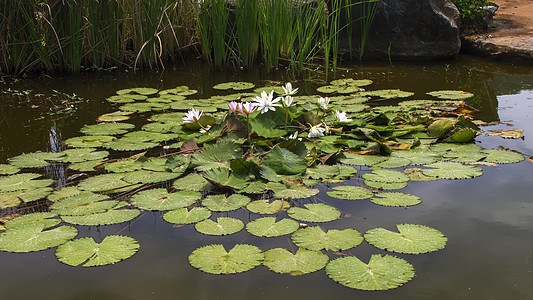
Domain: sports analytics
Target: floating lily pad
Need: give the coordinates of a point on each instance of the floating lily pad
(87, 253)
(451, 94)
(8, 169)
(34, 237)
(314, 213)
(113, 216)
(115, 116)
(314, 238)
(126, 98)
(22, 181)
(416, 174)
(90, 141)
(361, 160)
(7, 201)
(266, 207)
(107, 128)
(349, 192)
(64, 193)
(34, 160)
(84, 203)
(140, 90)
(81, 155)
(216, 156)
(452, 170)
(222, 176)
(145, 176)
(394, 162)
(395, 199)
(351, 81)
(387, 94)
(502, 156)
(86, 166)
(185, 216)
(380, 185)
(389, 176)
(280, 260)
(193, 182)
(104, 182)
(411, 239)
(238, 86)
(215, 259)
(222, 203)
(161, 199)
(33, 194)
(381, 273)
(130, 144)
(419, 156)
(48, 219)
(269, 227)
(223, 226)
(289, 190)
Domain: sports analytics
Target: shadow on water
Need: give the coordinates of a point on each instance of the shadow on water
(488, 220)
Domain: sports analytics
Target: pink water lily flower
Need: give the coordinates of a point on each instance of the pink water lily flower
(192, 116)
(234, 106)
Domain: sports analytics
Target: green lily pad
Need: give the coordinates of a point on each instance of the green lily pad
(238, 86)
(312, 212)
(33, 194)
(185, 216)
(22, 181)
(269, 227)
(440, 128)
(140, 90)
(348, 192)
(87, 253)
(387, 94)
(222, 203)
(419, 156)
(389, 176)
(393, 162)
(34, 237)
(266, 207)
(86, 166)
(7, 201)
(215, 259)
(216, 156)
(193, 182)
(160, 199)
(8, 169)
(113, 216)
(144, 106)
(452, 170)
(145, 176)
(351, 81)
(222, 176)
(282, 261)
(380, 185)
(63, 193)
(126, 98)
(314, 238)
(395, 199)
(48, 219)
(416, 174)
(84, 203)
(104, 182)
(223, 226)
(361, 160)
(84, 154)
(130, 144)
(34, 160)
(502, 156)
(411, 239)
(115, 116)
(381, 273)
(288, 190)
(451, 94)
(89, 141)
(107, 128)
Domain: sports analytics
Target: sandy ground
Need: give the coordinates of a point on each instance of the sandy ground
(512, 36)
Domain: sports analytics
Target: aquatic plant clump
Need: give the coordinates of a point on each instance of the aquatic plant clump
(264, 152)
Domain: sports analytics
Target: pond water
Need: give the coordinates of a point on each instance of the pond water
(488, 220)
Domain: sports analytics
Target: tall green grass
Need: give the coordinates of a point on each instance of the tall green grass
(67, 36)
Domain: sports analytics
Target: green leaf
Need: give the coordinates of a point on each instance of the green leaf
(89, 141)
(113, 216)
(8, 169)
(33, 237)
(314, 213)
(387, 94)
(451, 94)
(419, 156)
(222, 203)
(87, 253)
(349, 192)
(393, 162)
(502, 156)
(33, 194)
(22, 181)
(86, 166)
(411, 239)
(161, 199)
(115, 116)
(84, 203)
(223, 177)
(145, 176)
(389, 176)
(104, 182)
(46, 218)
(215, 260)
(288, 190)
(314, 238)
(381, 273)
(395, 199)
(140, 90)
(452, 170)
(34, 160)
(265, 127)
(107, 128)
(238, 86)
(193, 182)
(380, 185)
(361, 160)
(280, 260)
(223, 226)
(218, 155)
(185, 216)
(84, 154)
(266, 207)
(416, 174)
(8, 200)
(440, 128)
(269, 227)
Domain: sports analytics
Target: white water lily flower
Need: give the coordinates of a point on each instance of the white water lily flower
(205, 130)
(192, 116)
(248, 107)
(294, 136)
(287, 101)
(323, 102)
(341, 117)
(267, 102)
(288, 89)
(316, 131)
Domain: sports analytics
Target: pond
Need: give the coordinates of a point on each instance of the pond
(488, 220)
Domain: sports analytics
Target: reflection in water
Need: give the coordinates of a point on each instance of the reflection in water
(488, 220)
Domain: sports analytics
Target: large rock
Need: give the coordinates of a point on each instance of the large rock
(409, 30)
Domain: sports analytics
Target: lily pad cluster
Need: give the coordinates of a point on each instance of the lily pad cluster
(198, 160)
